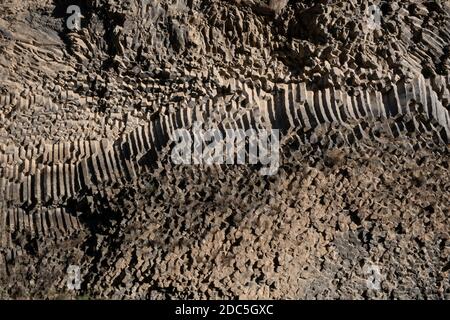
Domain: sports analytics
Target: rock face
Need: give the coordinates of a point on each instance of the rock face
(90, 99)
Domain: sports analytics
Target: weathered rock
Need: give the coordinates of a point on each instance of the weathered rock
(361, 96)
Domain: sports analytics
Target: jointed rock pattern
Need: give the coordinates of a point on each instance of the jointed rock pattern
(86, 123)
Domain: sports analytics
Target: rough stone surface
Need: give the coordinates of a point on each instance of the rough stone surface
(359, 208)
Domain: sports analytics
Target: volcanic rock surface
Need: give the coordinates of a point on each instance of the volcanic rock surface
(358, 209)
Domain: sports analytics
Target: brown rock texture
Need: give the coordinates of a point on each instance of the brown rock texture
(359, 208)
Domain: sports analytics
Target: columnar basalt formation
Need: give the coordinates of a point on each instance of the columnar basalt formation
(359, 90)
